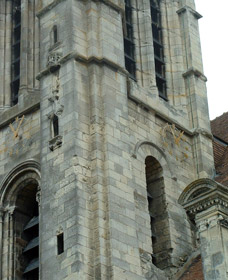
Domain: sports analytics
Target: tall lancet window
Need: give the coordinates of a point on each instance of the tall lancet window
(129, 47)
(16, 49)
(158, 48)
(157, 211)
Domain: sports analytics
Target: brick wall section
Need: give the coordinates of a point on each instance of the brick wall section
(194, 271)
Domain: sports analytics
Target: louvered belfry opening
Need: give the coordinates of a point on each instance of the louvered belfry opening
(129, 46)
(27, 234)
(31, 251)
(16, 49)
(158, 48)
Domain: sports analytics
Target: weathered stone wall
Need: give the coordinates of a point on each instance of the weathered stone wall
(19, 141)
(93, 178)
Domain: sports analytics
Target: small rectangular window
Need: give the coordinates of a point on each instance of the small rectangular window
(60, 243)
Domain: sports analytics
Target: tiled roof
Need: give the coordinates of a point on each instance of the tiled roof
(219, 127)
(192, 268)
(194, 271)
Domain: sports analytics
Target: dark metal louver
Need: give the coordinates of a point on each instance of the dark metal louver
(31, 251)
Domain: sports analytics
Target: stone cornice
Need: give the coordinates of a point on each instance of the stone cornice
(221, 204)
(188, 8)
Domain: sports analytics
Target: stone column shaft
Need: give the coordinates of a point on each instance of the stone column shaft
(206, 202)
(213, 232)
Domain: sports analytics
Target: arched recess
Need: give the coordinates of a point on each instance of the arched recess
(19, 207)
(153, 165)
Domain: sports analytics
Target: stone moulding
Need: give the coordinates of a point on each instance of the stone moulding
(202, 194)
(83, 59)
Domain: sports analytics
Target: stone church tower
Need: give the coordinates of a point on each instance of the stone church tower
(106, 159)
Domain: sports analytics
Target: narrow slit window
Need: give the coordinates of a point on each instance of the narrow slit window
(129, 47)
(60, 243)
(55, 34)
(158, 48)
(55, 123)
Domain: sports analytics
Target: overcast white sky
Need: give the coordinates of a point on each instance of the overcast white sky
(214, 43)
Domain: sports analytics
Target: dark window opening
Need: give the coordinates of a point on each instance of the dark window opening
(129, 47)
(60, 243)
(55, 122)
(157, 211)
(55, 34)
(16, 49)
(158, 48)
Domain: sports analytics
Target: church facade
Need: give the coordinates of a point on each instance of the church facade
(106, 167)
